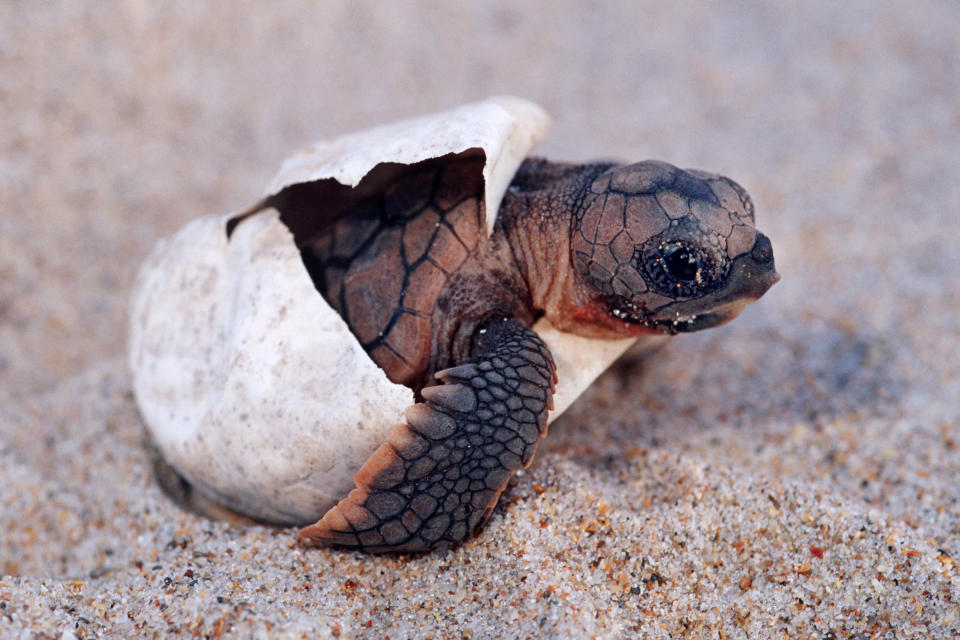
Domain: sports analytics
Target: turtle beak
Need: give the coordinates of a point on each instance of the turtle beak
(751, 275)
(756, 272)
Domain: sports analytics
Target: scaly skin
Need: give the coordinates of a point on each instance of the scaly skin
(601, 250)
(439, 476)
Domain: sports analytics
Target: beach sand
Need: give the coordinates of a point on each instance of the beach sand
(795, 474)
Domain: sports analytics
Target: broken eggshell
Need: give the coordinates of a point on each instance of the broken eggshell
(252, 387)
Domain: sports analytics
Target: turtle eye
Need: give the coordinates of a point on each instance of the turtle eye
(680, 262)
(685, 261)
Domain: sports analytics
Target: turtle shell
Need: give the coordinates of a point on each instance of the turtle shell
(253, 387)
(380, 253)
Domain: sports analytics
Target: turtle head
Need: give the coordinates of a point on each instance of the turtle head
(657, 249)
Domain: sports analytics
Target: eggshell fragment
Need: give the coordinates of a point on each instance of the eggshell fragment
(253, 388)
(581, 360)
(505, 127)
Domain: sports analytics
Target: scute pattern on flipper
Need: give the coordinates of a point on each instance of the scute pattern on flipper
(384, 262)
(439, 476)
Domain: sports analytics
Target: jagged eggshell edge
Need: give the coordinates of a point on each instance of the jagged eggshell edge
(505, 127)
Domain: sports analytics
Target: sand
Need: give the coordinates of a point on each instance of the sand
(795, 474)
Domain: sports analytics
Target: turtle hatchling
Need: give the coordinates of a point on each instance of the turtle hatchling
(379, 343)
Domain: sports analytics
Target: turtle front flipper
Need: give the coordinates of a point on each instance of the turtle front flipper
(437, 479)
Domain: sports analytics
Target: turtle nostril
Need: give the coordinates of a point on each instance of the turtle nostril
(762, 252)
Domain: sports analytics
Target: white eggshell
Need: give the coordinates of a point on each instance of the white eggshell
(252, 387)
(580, 360)
(506, 128)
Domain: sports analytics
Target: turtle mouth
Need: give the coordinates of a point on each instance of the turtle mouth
(679, 317)
(671, 324)
(697, 321)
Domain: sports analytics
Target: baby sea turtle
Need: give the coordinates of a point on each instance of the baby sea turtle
(443, 295)
(599, 249)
